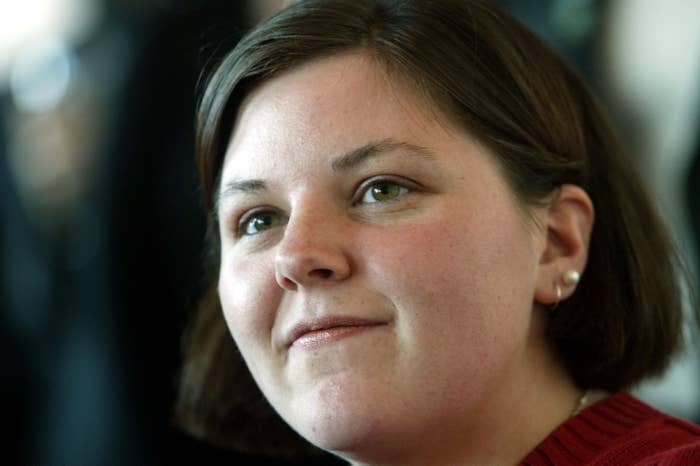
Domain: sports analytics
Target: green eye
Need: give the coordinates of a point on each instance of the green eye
(259, 222)
(383, 191)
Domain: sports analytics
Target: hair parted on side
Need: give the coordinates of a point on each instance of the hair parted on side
(491, 76)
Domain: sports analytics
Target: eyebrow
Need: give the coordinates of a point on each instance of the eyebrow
(362, 154)
(342, 163)
(242, 187)
(233, 187)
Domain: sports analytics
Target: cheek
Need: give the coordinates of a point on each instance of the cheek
(249, 297)
(439, 258)
(466, 279)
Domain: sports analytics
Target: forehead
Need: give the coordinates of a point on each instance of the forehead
(328, 83)
(328, 105)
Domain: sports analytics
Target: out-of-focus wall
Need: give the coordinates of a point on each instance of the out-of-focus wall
(651, 68)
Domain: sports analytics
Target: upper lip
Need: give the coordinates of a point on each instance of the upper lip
(323, 323)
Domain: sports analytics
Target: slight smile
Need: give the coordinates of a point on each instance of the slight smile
(317, 332)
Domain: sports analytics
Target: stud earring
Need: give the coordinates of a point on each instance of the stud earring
(571, 277)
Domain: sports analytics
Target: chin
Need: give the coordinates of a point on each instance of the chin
(341, 436)
(339, 419)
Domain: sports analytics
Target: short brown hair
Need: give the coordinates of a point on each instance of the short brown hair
(494, 78)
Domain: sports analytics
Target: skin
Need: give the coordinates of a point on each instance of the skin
(423, 237)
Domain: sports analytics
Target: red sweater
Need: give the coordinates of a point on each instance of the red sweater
(620, 430)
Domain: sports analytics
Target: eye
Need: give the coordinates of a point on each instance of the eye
(383, 191)
(258, 222)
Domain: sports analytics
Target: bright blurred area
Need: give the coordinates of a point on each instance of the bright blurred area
(101, 228)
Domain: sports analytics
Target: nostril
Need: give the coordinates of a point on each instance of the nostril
(321, 273)
(308, 264)
(288, 284)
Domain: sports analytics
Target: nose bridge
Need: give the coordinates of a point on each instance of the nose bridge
(312, 250)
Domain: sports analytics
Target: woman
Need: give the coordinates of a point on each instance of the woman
(427, 247)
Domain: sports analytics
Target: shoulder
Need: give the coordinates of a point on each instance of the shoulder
(620, 430)
(679, 456)
(655, 439)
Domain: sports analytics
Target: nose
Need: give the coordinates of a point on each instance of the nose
(312, 252)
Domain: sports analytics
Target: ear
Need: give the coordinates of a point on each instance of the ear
(569, 221)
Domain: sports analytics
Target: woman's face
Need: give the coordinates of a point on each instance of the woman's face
(377, 273)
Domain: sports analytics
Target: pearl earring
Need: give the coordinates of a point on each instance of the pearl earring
(571, 277)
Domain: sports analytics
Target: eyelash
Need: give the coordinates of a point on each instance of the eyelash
(361, 192)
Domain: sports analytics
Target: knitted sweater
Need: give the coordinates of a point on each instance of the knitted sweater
(620, 430)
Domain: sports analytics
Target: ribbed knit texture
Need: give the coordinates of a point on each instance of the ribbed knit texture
(620, 430)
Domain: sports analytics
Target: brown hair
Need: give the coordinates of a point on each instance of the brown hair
(494, 78)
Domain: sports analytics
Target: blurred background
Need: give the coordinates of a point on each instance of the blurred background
(101, 227)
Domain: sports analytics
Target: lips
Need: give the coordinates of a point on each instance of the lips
(316, 332)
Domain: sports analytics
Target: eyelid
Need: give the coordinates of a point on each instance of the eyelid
(393, 179)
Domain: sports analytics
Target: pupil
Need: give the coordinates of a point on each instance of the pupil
(262, 222)
(384, 191)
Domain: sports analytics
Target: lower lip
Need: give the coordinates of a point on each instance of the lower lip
(317, 338)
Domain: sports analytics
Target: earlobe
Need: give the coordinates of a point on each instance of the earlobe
(569, 222)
